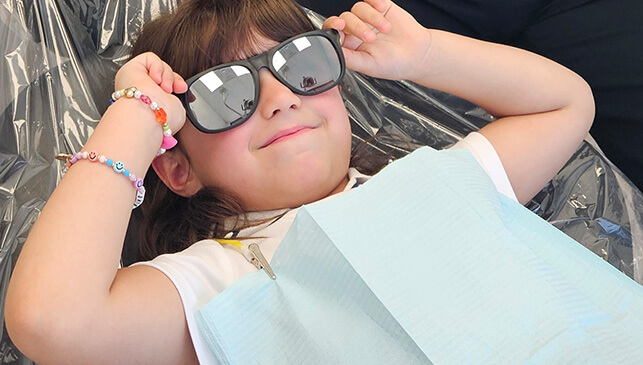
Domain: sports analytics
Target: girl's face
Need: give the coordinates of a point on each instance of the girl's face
(293, 150)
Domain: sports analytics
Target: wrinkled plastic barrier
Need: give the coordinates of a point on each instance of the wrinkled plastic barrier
(56, 75)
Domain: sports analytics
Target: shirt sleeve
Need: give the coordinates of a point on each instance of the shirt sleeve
(200, 273)
(488, 158)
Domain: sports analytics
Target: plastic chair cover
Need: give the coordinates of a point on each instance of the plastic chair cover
(59, 61)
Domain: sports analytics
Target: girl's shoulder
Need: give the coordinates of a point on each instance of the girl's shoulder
(488, 158)
(201, 271)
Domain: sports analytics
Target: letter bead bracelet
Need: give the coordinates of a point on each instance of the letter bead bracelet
(161, 117)
(168, 142)
(117, 166)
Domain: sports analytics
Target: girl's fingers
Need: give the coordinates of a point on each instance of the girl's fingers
(179, 86)
(356, 27)
(154, 67)
(168, 78)
(381, 6)
(351, 42)
(161, 73)
(358, 61)
(371, 16)
(334, 22)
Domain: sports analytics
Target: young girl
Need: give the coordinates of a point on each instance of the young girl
(263, 138)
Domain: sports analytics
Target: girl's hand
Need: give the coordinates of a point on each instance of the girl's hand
(382, 40)
(153, 77)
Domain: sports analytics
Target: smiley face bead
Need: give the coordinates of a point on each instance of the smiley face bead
(118, 167)
(138, 183)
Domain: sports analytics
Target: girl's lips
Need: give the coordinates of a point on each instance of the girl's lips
(281, 135)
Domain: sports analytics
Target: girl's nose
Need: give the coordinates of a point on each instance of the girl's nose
(275, 97)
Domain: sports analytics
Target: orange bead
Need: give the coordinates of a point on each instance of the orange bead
(161, 116)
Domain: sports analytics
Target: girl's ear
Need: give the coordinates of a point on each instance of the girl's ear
(173, 168)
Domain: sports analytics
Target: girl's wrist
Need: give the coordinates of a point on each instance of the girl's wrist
(146, 86)
(129, 132)
(424, 63)
(160, 115)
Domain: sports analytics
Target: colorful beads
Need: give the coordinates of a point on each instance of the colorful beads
(73, 158)
(161, 116)
(140, 196)
(146, 99)
(117, 166)
(168, 142)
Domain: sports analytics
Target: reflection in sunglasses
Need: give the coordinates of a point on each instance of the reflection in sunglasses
(308, 82)
(224, 94)
(211, 81)
(301, 43)
(320, 86)
(247, 105)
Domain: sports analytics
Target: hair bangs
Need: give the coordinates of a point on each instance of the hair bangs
(204, 33)
(254, 22)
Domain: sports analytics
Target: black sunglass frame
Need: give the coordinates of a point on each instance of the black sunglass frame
(256, 63)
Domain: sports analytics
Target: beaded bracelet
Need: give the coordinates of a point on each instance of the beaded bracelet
(117, 166)
(161, 117)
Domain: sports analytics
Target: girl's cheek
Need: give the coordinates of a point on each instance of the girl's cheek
(234, 139)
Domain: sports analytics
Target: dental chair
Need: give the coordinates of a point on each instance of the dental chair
(59, 62)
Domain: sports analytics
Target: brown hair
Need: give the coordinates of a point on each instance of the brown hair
(198, 35)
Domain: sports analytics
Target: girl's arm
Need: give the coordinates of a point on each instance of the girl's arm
(544, 109)
(67, 301)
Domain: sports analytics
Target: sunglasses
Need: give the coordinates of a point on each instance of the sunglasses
(225, 96)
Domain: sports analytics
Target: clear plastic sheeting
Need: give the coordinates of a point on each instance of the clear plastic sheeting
(59, 62)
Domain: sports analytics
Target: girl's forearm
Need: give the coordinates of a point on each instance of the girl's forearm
(501, 79)
(71, 256)
(545, 109)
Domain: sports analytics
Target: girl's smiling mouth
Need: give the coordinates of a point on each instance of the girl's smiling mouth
(286, 134)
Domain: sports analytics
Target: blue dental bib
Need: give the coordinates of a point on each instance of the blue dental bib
(427, 263)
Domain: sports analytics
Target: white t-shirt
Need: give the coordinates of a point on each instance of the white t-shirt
(206, 268)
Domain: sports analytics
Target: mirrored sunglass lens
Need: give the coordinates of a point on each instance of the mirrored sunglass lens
(222, 97)
(309, 64)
